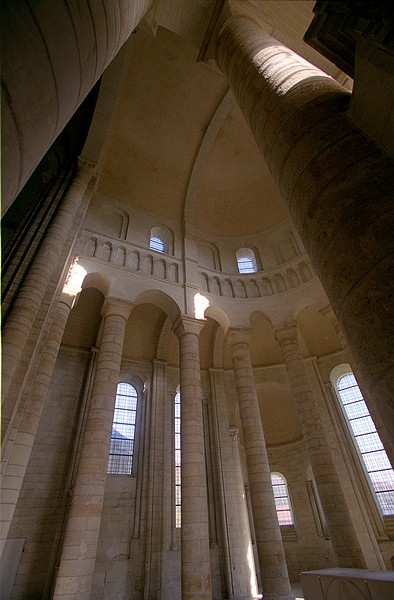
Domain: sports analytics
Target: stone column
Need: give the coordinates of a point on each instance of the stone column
(156, 473)
(18, 460)
(27, 304)
(68, 47)
(195, 553)
(79, 549)
(387, 440)
(240, 568)
(342, 533)
(338, 185)
(271, 554)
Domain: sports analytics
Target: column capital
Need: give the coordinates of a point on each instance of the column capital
(67, 299)
(114, 306)
(287, 331)
(88, 165)
(159, 362)
(234, 434)
(239, 335)
(186, 324)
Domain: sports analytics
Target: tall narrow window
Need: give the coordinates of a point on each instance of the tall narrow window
(282, 499)
(372, 452)
(123, 430)
(246, 260)
(177, 420)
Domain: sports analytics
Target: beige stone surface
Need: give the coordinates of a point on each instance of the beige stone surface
(175, 153)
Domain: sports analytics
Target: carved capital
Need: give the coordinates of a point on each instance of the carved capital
(288, 331)
(239, 335)
(186, 324)
(113, 307)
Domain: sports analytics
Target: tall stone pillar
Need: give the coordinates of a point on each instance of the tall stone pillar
(68, 47)
(27, 304)
(240, 569)
(387, 440)
(156, 473)
(342, 533)
(195, 553)
(271, 554)
(79, 549)
(337, 183)
(22, 446)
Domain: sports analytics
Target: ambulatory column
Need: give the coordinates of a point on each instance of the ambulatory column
(342, 533)
(195, 553)
(273, 568)
(78, 557)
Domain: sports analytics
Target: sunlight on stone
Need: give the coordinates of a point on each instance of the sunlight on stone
(200, 305)
(253, 586)
(74, 279)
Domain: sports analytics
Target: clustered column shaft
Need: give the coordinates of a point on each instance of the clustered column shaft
(76, 568)
(195, 567)
(271, 554)
(21, 319)
(15, 469)
(241, 576)
(342, 533)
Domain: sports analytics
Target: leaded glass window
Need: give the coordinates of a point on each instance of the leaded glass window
(282, 499)
(123, 430)
(371, 449)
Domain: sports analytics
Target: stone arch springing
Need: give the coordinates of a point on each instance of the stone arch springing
(163, 301)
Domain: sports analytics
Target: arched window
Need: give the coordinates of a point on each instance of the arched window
(282, 499)
(161, 239)
(368, 442)
(156, 243)
(246, 260)
(123, 430)
(177, 420)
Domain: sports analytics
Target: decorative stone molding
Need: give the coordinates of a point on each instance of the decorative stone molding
(120, 253)
(257, 286)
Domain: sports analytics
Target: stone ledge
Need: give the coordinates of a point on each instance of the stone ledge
(343, 584)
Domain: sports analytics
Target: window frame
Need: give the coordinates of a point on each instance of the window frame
(163, 240)
(177, 467)
(134, 424)
(154, 242)
(282, 482)
(340, 373)
(244, 256)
